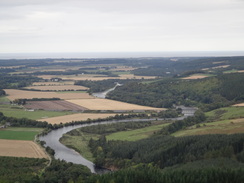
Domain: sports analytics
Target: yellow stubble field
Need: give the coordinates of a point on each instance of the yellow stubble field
(106, 104)
(58, 87)
(21, 148)
(13, 94)
(76, 117)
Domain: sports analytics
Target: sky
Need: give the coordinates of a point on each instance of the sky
(32, 26)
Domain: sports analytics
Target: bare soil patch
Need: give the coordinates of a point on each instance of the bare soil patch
(21, 148)
(75, 117)
(58, 88)
(106, 104)
(13, 94)
(239, 105)
(56, 105)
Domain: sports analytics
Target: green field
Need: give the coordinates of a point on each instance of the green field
(80, 143)
(219, 127)
(14, 133)
(19, 112)
(227, 120)
(226, 113)
(138, 134)
(4, 99)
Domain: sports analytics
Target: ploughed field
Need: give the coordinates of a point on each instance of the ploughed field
(56, 105)
(21, 148)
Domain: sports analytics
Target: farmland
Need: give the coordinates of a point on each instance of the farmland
(21, 148)
(94, 77)
(15, 133)
(76, 117)
(20, 112)
(57, 88)
(219, 127)
(56, 105)
(138, 134)
(106, 104)
(13, 94)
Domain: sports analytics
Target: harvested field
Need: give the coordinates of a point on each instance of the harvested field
(239, 105)
(106, 104)
(53, 83)
(94, 77)
(196, 77)
(21, 148)
(56, 105)
(13, 94)
(58, 88)
(75, 117)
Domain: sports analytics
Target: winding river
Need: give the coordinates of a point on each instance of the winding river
(64, 153)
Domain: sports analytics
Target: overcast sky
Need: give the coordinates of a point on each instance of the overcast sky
(121, 25)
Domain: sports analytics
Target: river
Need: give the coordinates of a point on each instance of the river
(103, 94)
(64, 153)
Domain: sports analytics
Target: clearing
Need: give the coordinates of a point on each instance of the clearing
(219, 127)
(76, 117)
(13, 94)
(21, 148)
(106, 104)
(138, 134)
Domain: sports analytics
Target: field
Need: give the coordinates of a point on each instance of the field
(106, 104)
(239, 105)
(80, 143)
(19, 112)
(138, 134)
(75, 117)
(196, 76)
(95, 77)
(15, 133)
(227, 113)
(21, 148)
(57, 88)
(219, 127)
(60, 83)
(56, 105)
(13, 94)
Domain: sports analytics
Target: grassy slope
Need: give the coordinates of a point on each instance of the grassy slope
(134, 135)
(14, 133)
(226, 120)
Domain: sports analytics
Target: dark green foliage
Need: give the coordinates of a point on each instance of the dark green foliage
(61, 171)
(110, 128)
(165, 151)
(12, 81)
(208, 93)
(24, 122)
(2, 92)
(20, 169)
(146, 174)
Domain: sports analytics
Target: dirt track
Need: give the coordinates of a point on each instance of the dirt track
(21, 148)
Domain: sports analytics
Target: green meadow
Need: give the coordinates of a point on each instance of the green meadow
(15, 133)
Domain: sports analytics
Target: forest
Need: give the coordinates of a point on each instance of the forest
(207, 94)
